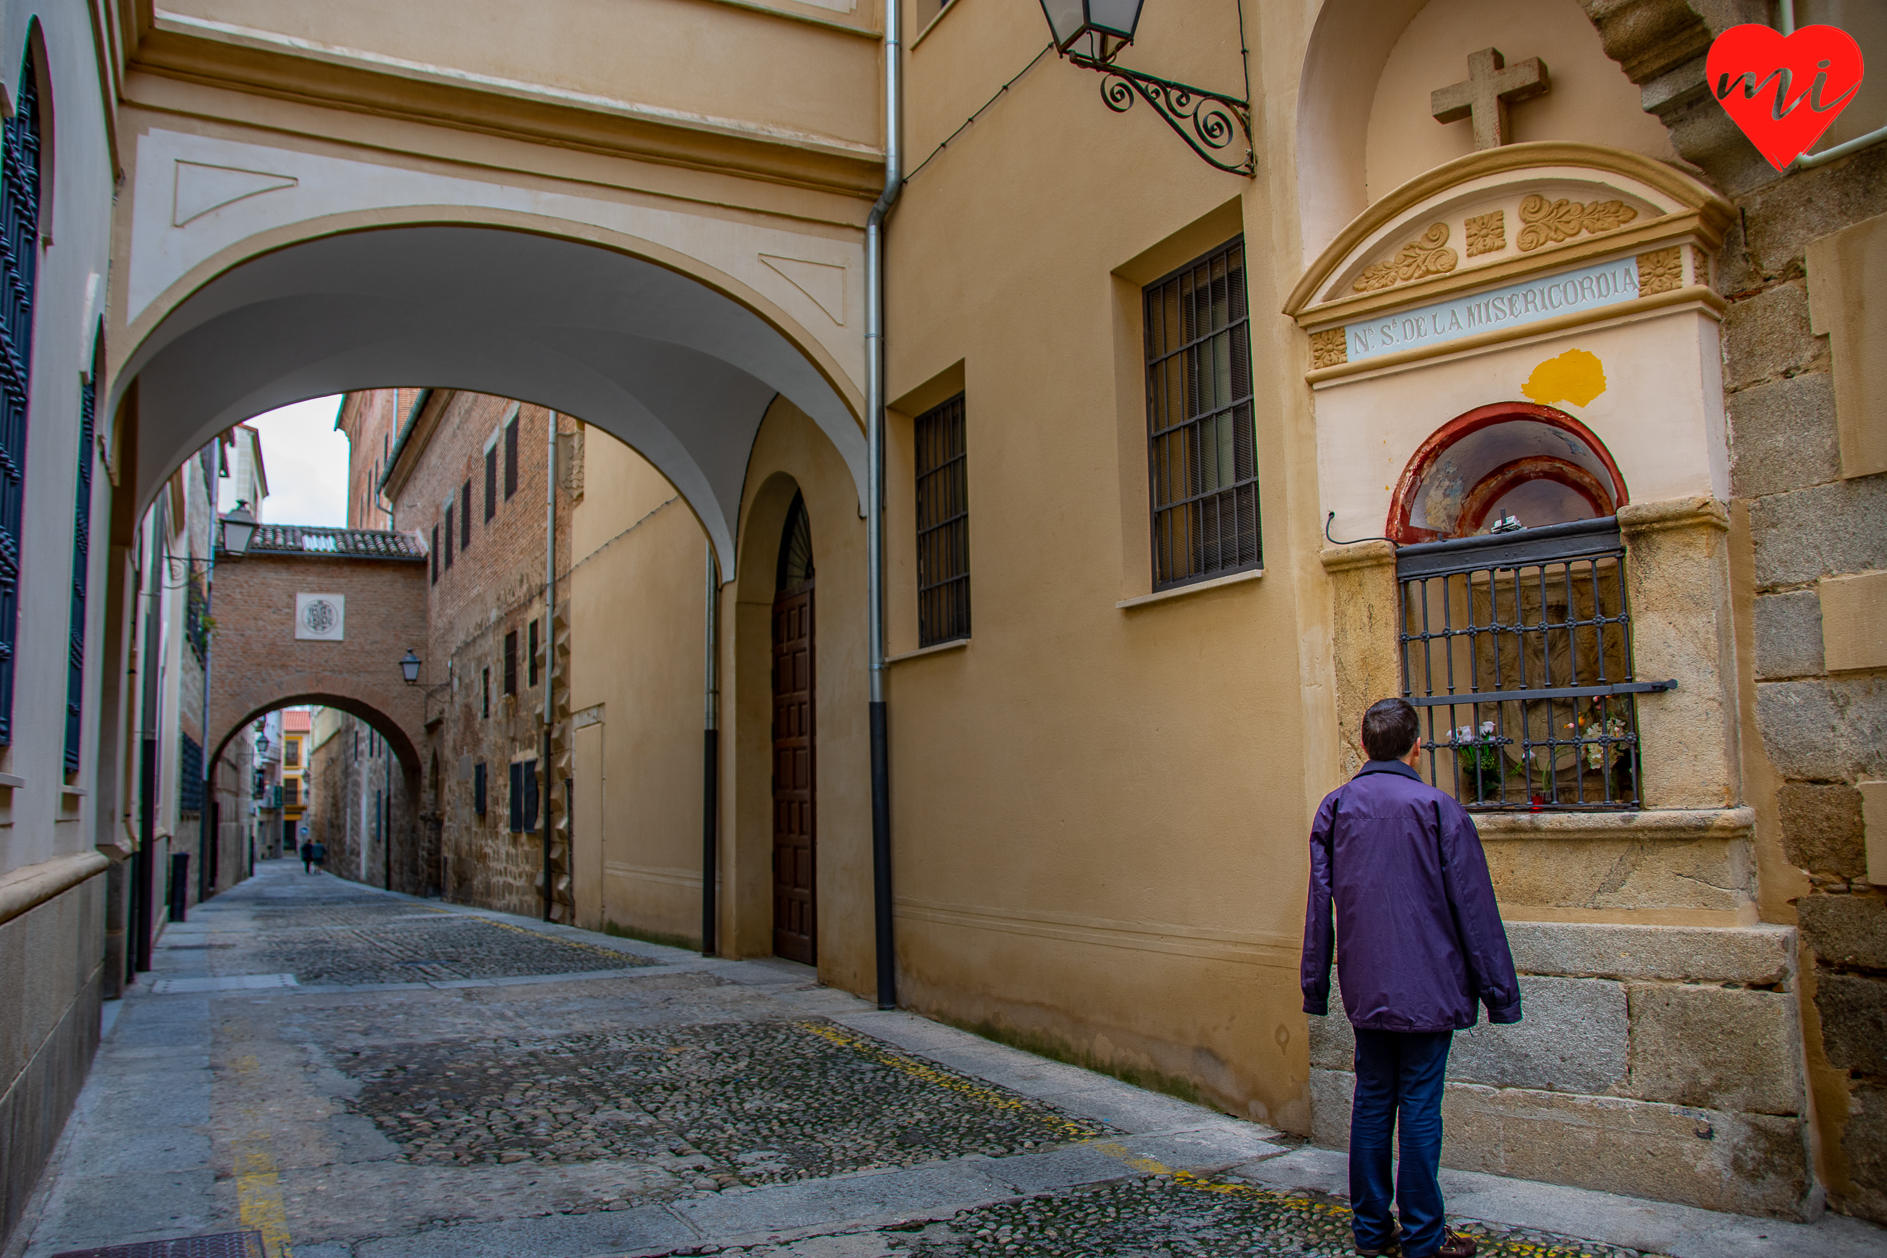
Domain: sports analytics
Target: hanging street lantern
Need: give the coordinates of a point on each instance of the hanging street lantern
(409, 667)
(1101, 28)
(239, 526)
(1091, 33)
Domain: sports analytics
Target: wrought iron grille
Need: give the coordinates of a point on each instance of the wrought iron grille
(943, 526)
(1516, 649)
(1202, 463)
(190, 776)
(81, 571)
(19, 259)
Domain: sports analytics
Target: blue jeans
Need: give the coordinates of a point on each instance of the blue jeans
(1398, 1087)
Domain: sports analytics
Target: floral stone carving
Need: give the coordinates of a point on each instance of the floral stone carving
(1660, 271)
(1328, 348)
(1546, 222)
(1487, 233)
(1427, 255)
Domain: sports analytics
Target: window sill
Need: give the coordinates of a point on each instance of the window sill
(1200, 587)
(956, 644)
(9, 781)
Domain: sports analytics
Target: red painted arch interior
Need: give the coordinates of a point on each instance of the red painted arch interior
(1415, 473)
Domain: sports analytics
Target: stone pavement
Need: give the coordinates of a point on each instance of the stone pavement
(364, 1075)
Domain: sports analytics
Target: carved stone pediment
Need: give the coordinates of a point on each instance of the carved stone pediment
(1501, 223)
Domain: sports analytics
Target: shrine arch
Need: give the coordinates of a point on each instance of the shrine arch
(1535, 463)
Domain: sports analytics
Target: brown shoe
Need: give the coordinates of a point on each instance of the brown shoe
(1455, 1245)
(1392, 1250)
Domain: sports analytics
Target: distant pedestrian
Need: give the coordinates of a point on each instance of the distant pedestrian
(321, 855)
(1422, 949)
(307, 857)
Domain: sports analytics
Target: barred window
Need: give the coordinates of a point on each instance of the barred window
(465, 516)
(491, 483)
(943, 526)
(479, 789)
(1516, 649)
(1202, 461)
(291, 792)
(511, 662)
(81, 569)
(523, 796)
(511, 457)
(531, 655)
(448, 534)
(19, 262)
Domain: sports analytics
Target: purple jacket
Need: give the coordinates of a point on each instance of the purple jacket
(1422, 941)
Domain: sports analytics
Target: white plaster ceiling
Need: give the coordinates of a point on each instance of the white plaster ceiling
(678, 371)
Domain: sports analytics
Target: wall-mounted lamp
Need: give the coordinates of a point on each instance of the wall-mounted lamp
(239, 526)
(1091, 33)
(409, 669)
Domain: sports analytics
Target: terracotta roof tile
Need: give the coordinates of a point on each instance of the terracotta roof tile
(297, 539)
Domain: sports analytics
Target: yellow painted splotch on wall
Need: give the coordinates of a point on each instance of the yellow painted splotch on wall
(1576, 376)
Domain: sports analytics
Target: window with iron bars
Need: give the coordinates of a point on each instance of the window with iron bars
(19, 262)
(1516, 650)
(1202, 462)
(943, 526)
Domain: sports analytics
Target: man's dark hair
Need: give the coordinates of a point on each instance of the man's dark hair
(1389, 729)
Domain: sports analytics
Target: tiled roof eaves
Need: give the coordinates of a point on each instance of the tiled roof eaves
(288, 539)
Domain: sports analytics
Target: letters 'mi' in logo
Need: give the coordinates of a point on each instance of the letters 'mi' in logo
(1759, 61)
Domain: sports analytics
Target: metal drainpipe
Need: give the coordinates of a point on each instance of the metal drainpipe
(874, 507)
(711, 762)
(206, 834)
(1785, 22)
(550, 635)
(146, 870)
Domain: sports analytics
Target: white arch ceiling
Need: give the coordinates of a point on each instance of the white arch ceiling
(680, 372)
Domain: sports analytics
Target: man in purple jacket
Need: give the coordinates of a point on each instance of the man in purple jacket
(1423, 948)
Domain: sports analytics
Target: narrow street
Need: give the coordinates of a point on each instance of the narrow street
(352, 1073)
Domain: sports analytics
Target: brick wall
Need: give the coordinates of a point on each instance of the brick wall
(493, 588)
(261, 665)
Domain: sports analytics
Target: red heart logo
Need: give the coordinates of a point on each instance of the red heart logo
(1784, 92)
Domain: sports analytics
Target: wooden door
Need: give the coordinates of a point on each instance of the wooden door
(795, 918)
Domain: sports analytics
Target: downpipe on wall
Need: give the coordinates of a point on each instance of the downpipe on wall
(711, 761)
(875, 503)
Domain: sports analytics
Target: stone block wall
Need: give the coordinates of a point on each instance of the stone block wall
(1807, 480)
(1655, 1061)
(51, 975)
(1822, 721)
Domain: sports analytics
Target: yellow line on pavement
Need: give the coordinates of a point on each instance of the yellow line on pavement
(258, 1184)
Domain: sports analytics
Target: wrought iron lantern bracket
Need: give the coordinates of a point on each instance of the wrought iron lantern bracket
(1204, 119)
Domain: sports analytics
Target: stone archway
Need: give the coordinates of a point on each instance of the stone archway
(668, 354)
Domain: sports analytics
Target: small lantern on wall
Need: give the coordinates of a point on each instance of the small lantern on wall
(239, 526)
(1091, 33)
(1096, 29)
(409, 667)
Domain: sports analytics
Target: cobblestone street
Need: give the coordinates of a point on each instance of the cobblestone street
(357, 1074)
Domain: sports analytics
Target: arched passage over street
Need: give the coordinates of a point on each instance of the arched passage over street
(677, 369)
(320, 616)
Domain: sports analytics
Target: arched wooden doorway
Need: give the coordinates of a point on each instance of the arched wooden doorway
(795, 807)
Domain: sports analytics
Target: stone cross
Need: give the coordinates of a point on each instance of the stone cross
(1491, 86)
